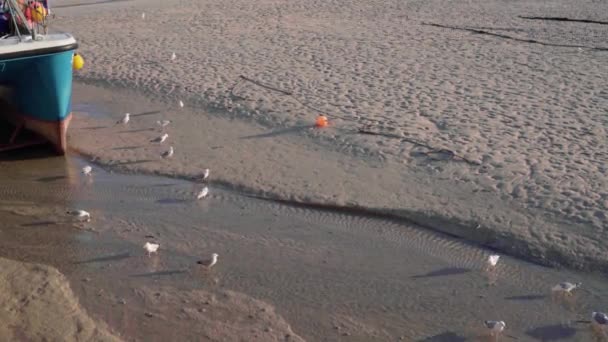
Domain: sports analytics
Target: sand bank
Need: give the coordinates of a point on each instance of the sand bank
(281, 164)
(38, 304)
(515, 119)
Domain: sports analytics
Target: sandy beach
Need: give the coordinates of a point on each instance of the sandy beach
(456, 130)
(497, 140)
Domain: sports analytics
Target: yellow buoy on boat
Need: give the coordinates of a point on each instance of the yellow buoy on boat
(38, 12)
(77, 62)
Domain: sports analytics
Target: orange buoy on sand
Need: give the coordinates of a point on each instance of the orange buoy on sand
(321, 121)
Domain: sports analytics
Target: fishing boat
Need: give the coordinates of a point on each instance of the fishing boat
(35, 76)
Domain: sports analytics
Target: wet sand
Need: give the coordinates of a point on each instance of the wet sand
(283, 269)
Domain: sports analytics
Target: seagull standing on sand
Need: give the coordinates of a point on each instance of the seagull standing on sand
(599, 321)
(181, 104)
(203, 193)
(167, 154)
(491, 262)
(600, 318)
(173, 56)
(151, 248)
(495, 327)
(163, 123)
(87, 170)
(124, 120)
(161, 139)
(565, 288)
(208, 263)
(205, 174)
(80, 214)
(143, 15)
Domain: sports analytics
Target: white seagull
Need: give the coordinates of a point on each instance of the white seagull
(124, 120)
(495, 327)
(151, 248)
(205, 174)
(81, 214)
(565, 288)
(167, 154)
(143, 15)
(163, 123)
(87, 170)
(181, 104)
(493, 260)
(208, 263)
(203, 193)
(173, 56)
(160, 139)
(600, 318)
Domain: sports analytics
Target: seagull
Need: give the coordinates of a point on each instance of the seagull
(151, 248)
(167, 154)
(143, 15)
(600, 318)
(163, 123)
(495, 327)
(203, 193)
(208, 263)
(87, 170)
(565, 288)
(173, 56)
(181, 104)
(80, 214)
(493, 260)
(160, 139)
(205, 174)
(124, 120)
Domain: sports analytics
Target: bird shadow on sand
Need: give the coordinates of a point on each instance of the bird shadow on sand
(171, 201)
(158, 273)
(133, 162)
(127, 148)
(152, 112)
(39, 224)
(278, 132)
(163, 185)
(527, 297)
(92, 128)
(89, 3)
(137, 130)
(447, 271)
(553, 332)
(50, 179)
(444, 337)
(114, 257)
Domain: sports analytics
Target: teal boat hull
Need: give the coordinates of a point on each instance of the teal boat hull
(40, 90)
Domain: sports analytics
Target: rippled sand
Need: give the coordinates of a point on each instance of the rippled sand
(283, 269)
(523, 101)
